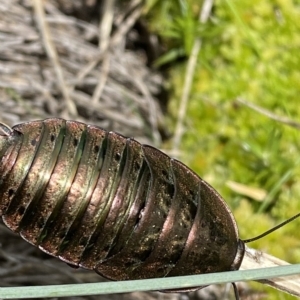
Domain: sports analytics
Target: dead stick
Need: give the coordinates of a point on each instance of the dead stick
(52, 54)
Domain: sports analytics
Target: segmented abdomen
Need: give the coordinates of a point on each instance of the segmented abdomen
(105, 202)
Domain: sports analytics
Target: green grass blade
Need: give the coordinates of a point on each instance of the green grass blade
(147, 284)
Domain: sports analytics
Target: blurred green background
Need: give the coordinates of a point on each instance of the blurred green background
(251, 51)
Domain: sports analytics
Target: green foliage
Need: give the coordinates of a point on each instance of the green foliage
(177, 23)
(250, 50)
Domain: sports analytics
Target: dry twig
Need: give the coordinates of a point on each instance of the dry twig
(189, 75)
(255, 259)
(105, 26)
(269, 114)
(116, 38)
(105, 29)
(52, 54)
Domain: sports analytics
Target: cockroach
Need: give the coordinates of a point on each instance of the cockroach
(101, 201)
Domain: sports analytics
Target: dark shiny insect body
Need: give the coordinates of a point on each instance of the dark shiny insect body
(101, 201)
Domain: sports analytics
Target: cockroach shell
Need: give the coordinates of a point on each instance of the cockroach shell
(105, 202)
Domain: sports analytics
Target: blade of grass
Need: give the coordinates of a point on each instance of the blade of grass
(243, 26)
(146, 284)
(271, 195)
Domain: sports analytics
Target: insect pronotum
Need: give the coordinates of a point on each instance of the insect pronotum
(101, 201)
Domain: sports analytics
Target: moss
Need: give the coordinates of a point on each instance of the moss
(250, 50)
